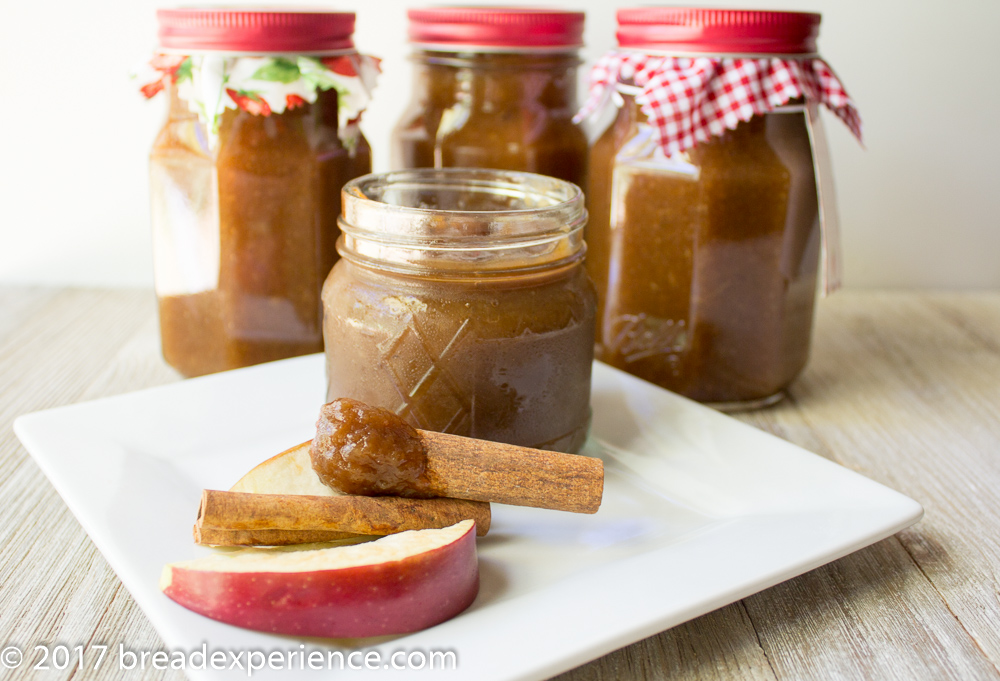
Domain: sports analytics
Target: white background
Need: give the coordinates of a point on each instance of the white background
(919, 206)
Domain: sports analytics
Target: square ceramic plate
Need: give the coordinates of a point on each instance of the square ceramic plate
(699, 510)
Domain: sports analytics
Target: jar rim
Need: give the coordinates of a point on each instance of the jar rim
(493, 219)
(549, 194)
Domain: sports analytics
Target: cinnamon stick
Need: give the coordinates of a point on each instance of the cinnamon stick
(294, 518)
(354, 438)
(212, 536)
(479, 470)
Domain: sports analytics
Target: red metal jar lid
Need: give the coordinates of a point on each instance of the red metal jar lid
(690, 29)
(496, 27)
(240, 30)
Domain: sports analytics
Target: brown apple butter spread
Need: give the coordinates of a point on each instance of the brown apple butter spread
(494, 87)
(360, 449)
(491, 110)
(706, 266)
(474, 322)
(263, 235)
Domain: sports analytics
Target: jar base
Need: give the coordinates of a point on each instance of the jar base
(747, 405)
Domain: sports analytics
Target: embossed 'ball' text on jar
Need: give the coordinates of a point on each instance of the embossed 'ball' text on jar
(461, 303)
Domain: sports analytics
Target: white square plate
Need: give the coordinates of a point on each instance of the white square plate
(699, 511)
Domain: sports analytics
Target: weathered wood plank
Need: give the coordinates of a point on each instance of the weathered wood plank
(18, 304)
(870, 615)
(137, 364)
(906, 389)
(719, 646)
(54, 585)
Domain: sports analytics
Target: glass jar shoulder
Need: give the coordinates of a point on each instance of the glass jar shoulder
(308, 131)
(775, 142)
(182, 134)
(499, 306)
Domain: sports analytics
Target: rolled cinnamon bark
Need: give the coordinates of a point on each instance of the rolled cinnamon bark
(292, 518)
(211, 536)
(465, 468)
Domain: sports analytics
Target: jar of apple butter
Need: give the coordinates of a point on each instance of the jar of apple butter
(494, 88)
(705, 205)
(245, 178)
(461, 303)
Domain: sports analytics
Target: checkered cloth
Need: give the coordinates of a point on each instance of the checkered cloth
(690, 99)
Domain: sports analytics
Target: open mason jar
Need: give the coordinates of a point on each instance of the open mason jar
(245, 178)
(494, 88)
(461, 303)
(708, 207)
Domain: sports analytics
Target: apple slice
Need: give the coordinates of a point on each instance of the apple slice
(290, 472)
(394, 585)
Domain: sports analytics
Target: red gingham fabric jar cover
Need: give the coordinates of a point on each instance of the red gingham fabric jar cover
(700, 72)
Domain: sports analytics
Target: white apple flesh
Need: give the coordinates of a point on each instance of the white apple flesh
(290, 472)
(394, 585)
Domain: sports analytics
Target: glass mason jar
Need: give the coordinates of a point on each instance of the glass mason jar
(706, 261)
(461, 303)
(494, 88)
(245, 179)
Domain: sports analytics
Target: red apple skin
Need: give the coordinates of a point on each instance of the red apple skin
(396, 597)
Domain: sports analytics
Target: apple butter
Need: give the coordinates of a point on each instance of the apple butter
(505, 102)
(707, 266)
(461, 303)
(245, 198)
(360, 449)
(705, 221)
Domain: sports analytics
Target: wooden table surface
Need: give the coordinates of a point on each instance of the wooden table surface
(902, 387)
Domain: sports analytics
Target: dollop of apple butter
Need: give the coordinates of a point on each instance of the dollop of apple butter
(370, 451)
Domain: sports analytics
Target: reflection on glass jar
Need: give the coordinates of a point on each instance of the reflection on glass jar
(494, 89)
(461, 303)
